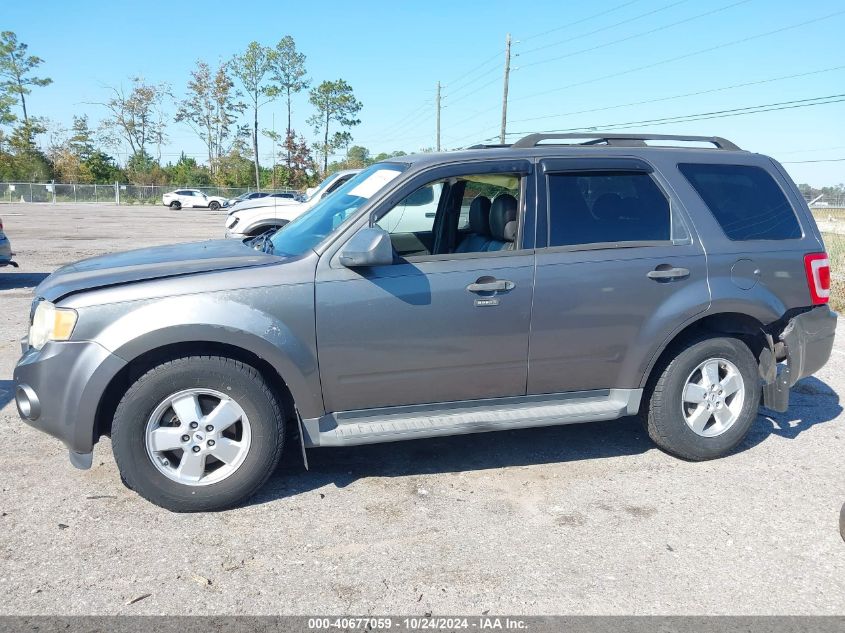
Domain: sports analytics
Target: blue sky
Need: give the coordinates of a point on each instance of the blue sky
(577, 64)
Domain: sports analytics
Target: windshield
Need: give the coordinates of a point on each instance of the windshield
(315, 195)
(311, 228)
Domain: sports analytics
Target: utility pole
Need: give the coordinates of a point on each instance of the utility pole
(505, 90)
(274, 151)
(438, 116)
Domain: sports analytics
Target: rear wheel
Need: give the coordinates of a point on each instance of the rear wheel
(198, 433)
(214, 205)
(175, 205)
(705, 399)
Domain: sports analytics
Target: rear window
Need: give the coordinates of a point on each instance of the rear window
(606, 207)
(746, 201)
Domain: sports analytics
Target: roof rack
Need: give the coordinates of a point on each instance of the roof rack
(622, 140)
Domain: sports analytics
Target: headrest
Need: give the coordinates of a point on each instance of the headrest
(479, 215)
(607, 206)
(503, 218)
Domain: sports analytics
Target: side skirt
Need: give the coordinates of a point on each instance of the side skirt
(390, 424)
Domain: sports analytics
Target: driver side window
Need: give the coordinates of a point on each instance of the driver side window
(468, 214)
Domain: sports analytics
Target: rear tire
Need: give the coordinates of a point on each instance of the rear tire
(186, 475)
(175, 205)
(705, 399)
(214, 205)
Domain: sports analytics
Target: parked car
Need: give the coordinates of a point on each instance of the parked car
(560, 280)
(250, 195)
(191, 198)
(254, 217)
(6, 253)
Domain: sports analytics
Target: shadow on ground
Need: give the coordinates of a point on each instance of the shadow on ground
(812, 402)
(15, 281)
(7, 392)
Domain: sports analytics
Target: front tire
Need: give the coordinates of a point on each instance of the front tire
(705, 399)
(214, 205)
(198, 433)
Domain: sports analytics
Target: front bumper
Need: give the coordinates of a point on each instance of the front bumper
(807, 340)
(58, 390)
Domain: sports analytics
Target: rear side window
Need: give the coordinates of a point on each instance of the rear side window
(599, 207)
(746, 201)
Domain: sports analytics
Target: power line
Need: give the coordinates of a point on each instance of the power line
(636, 35)
(659, 63)
(606, 28)
(702, 51)
(702, 116)
(681, 96)
(582, 20)
(821, 160)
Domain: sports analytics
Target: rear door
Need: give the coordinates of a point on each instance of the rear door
(618, 270)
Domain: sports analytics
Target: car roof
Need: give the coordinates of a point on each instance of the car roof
(599, 145)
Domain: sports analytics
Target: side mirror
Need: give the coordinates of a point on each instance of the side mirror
(368, 247)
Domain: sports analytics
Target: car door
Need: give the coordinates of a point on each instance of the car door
(428, 328)
(617, 271)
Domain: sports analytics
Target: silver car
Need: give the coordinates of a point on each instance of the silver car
(553, 281)
(6, 253)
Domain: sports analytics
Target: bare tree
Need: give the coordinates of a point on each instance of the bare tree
(211, 109)
(251, 69)
(137, 117)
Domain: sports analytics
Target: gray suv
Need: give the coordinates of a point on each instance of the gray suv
(552, 281)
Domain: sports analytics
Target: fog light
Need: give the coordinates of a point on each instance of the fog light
(27, 401)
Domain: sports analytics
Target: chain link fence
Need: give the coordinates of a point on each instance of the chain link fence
(116, 193)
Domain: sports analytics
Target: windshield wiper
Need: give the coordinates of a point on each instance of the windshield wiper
(262, 242)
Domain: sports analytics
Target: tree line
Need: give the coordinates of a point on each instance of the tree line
(220, 104)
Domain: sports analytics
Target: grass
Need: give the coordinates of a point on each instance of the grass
(835, 245)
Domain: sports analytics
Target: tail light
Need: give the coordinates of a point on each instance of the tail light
(817, 267)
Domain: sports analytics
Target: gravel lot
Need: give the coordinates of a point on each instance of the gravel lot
(584, 519)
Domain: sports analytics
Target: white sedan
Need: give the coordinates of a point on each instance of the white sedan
(192, 198)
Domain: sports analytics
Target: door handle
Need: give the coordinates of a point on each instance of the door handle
(661, 273)
(496, 285)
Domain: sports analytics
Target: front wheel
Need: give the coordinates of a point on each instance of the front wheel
(705, 399)
(214, 205)
(198, 433)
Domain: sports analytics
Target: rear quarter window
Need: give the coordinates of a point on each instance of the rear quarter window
(746, 201)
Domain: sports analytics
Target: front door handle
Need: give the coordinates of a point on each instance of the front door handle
(663, 272)
(494, 285)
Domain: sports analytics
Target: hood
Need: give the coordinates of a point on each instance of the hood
(259, 203)
(286, 212)
(150, 263)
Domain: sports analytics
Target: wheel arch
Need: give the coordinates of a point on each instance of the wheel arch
(746, 327)
(146, 360)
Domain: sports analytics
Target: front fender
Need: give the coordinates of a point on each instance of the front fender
(248, 319)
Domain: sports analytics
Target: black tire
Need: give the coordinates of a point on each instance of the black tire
(664, 417)
(239, 381)
(264, 229)
(214, 205)
(175, 205)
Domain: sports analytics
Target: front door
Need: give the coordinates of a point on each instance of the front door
(441, 324)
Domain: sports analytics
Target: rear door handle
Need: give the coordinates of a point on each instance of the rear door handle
(668, 273)
(497, 285)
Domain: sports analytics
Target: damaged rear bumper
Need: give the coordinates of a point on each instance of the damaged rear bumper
(806, 342)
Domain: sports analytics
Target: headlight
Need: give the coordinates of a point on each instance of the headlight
(50, 323)
(231, 221)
